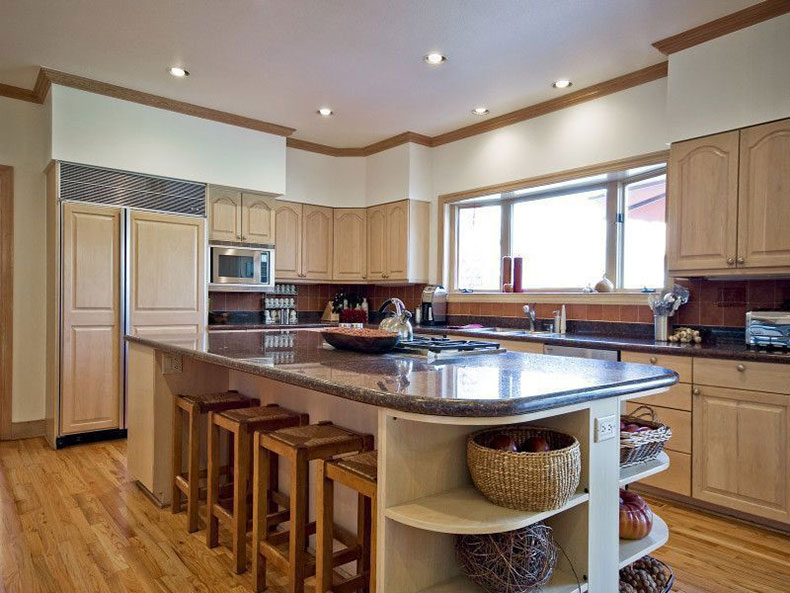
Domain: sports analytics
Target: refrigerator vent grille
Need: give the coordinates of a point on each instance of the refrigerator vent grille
(119, 188)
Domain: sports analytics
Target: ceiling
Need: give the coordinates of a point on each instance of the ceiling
(279, 60)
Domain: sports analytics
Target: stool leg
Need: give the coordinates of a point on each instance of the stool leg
(240, 470)
(325, 499)
(175, 495)
(363, 537)
(260, 480)
(212, 498)
(373, 542)
(297, 541)
(193, 504)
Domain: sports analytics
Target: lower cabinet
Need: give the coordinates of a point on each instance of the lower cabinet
(741, 446)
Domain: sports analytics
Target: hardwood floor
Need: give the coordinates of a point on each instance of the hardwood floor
(73, 521)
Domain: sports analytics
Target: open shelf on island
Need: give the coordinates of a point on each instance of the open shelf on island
(633, 550)
(637, 472)
(465, 511)
(561, 582)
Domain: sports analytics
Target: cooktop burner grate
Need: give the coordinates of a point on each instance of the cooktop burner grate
(444, 345)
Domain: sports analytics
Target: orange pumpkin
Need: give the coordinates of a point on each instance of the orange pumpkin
(636, 518)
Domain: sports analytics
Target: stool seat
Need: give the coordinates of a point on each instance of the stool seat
(217, 402)
(317, 437)
(251, 417)
(364, 465)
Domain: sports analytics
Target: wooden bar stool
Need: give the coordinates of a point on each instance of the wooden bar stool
(287, 549)
(358, 472)
(195, 407)
(240, 423)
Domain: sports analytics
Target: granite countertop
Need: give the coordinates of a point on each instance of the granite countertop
(472, 386)
(734, 349)
(256, 326)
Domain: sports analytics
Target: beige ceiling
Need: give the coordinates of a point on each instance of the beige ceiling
(279, 60)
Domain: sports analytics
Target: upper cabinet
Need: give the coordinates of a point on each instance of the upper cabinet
(729, 203)
(240, 217)
(764, 196)
(317, 239)
(349, 262)
(398, 241)
(288, 241)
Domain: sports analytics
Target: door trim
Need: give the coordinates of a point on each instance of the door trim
(6, 297)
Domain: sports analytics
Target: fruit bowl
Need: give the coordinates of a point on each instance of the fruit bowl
(373, 341)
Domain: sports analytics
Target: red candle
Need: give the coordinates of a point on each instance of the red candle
(517, 271)
(507, 271)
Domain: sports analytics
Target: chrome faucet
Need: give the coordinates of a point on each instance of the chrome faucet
(530, 311)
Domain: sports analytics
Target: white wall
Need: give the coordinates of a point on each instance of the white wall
(23, 143)
(387, 175)
(733, 81)
(98, 130)
(320, 179)
(420, 172)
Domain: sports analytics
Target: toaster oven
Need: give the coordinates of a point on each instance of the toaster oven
(768, 328)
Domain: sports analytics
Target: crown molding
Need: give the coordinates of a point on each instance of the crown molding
(722, 26)
(323, 148)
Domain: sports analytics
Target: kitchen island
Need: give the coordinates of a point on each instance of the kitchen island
(421, 411)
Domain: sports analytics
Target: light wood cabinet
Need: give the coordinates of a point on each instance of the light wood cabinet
(764, 196)
(167, 274)
(350, 244)
(288, 241)
(729, 203)
(317, 240)
(224, 214)
(741, 450)
(91, 378)
(240, 217)
(702, 212)
(398, 241)
(257, 219)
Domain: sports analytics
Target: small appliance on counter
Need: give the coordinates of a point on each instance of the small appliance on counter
(433, 309)
(768, 329)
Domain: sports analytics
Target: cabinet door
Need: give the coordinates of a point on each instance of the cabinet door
(91, 323)
(167, 281)
(741, 451)
(288, 241)
(703, 203)
(764, 196)
(317, 239)
(377, 242)
(397, 254)
(224, 215)
(257, 219)
(350, 246)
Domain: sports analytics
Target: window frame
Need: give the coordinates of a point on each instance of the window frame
(612, 181)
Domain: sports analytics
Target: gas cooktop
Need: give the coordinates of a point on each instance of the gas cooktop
(434, 346)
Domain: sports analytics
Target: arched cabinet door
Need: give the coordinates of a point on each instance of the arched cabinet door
(288, 241)
(257, 219)
(350, 244)
(377, 242)
(224, 215)
(703, 203)
(317, 238)
(764, 196)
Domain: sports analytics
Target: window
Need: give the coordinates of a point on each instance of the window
(569, 234)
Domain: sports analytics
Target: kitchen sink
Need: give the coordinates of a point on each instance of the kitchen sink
(509, 331)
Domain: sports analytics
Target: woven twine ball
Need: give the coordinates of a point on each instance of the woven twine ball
(519, 561)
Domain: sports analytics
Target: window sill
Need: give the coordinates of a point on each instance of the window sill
(570, 298)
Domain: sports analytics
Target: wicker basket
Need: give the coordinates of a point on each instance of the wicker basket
(525, 481)
(638, 447)
(668, 574)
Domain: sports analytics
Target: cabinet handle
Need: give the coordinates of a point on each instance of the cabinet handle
(741, 368)
(741, 260)
(238, 237)
(653, 360)
(730, 261)
(696, 391)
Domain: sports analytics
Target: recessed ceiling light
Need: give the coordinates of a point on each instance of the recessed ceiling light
(435, 58)
(178, 72)
(562, 84)
(325, 111)
(480, 111)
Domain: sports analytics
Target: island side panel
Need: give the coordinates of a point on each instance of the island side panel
(150, 413)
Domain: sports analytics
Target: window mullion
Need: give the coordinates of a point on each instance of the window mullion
(612, 233)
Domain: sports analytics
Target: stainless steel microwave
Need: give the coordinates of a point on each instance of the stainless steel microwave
(247, 266)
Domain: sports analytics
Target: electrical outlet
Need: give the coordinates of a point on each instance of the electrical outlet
(606, 428)
(172, 364)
